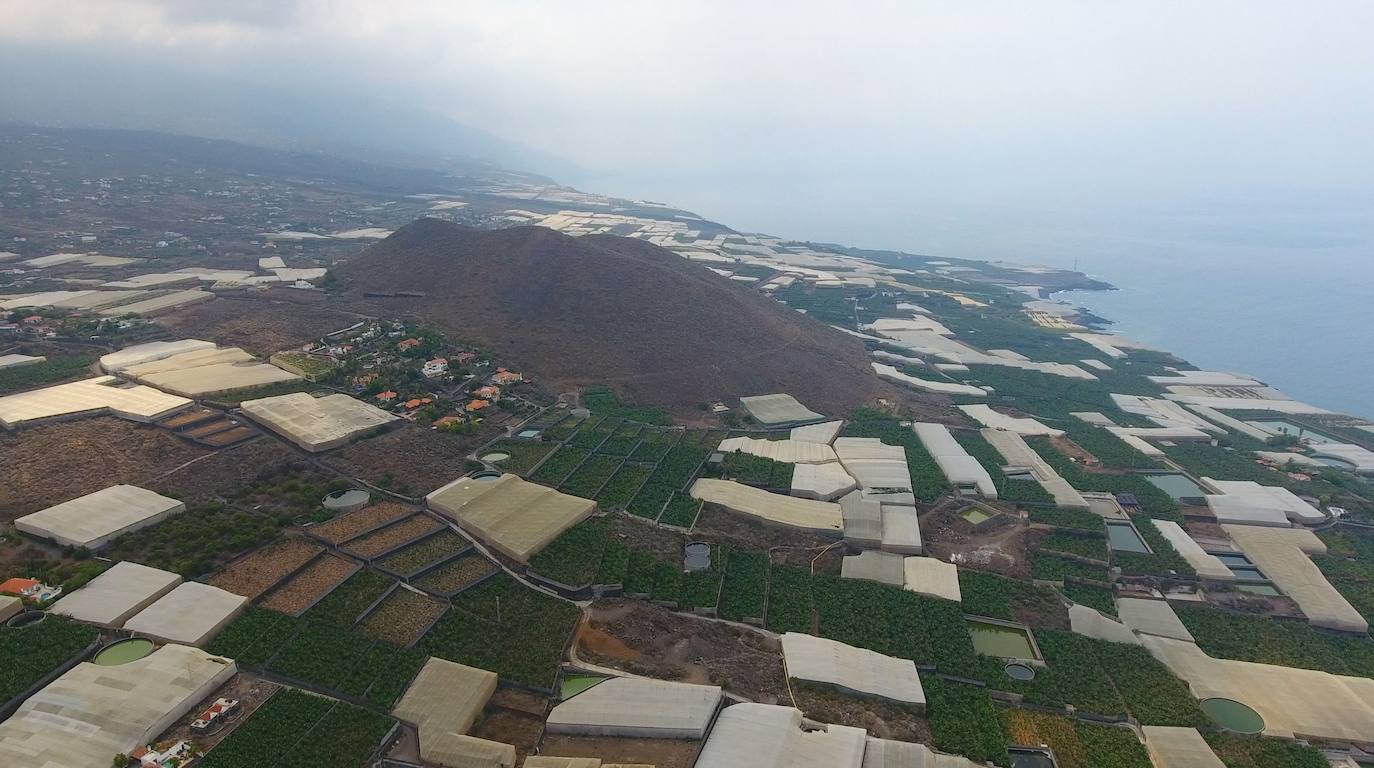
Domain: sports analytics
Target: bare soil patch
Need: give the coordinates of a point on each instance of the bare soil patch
(256, 573)
(656, 642)
(346, 526)
(226, 473)
(410, 529)
(411, 460)
(52, 463)
(660, 753)
(882, 719)
(520, 729)
(309, 585)
(260, 324)
(1004, 549)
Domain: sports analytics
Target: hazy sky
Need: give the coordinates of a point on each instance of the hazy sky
(969, 128)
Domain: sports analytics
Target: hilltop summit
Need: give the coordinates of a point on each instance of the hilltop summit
(601, 309)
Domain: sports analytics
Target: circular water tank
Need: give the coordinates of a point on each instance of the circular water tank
(27, 619)
(486, 474)
(696, 556)
(346, 500)
(1020, 671)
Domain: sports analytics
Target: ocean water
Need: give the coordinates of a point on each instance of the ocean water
(1304, 325)
(1276, 284)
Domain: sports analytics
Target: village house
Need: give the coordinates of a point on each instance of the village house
(436, 367)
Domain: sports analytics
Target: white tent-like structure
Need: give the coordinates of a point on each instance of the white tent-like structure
(856, 670)
(961, 469)
(770, 736)
(636, 707)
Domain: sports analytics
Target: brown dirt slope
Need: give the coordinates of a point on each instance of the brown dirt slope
(611, 310)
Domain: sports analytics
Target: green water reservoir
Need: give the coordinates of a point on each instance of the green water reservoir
(1002, 641)
(1233, 715)
(1123, 537)
(124, 651)
(1177, 486)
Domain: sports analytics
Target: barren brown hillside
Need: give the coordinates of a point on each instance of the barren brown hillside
(659, 329)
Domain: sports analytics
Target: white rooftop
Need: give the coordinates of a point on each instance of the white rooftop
(317, 423)
(857, 670)
(1151, 617)
(961, 469)
(92, 713)
(769, 507)
(926, 385)
(778, 410)
(103, 394)
(824, 433)
(1244, 501)
(824, 482)
(1282, 554)
(768, 736)
(114, 596)
(191, 614)
(1022, 426)
(515, 517)
(96, 519)
(788, 451)
(931, 577)
(638, 708)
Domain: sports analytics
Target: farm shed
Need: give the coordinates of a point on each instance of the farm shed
(873, 463)
(822, 482)
(1173, 747)
(190, 614)
(443, 702)
(962, 470)
(111, 598)
(872, 565)
(515, 517)
(932, 577)
(92, 713)
(1245, 501)
(90, 397)
(823, 433)
(1014, 450)
(769, 507)
(787, 451)
(1293, 702)
(636, 707)
(855, 670)
(317, 423)
(1207, 566)
(779, 410)
(986, 416)
(1151, 617)
(208, 371)
(96, 519)
(1282, 555)
(769, 736)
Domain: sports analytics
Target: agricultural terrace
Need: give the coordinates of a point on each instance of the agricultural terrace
(316, 732)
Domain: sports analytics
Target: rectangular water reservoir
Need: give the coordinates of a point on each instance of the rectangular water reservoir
(1000, 640)
(1123, 537)
(1177, 486)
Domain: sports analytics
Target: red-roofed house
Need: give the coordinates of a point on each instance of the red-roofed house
(405, 344)
(21, 587)
(477, 405)
(487, 393)
(387, 396)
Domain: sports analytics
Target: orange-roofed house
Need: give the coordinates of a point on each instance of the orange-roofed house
(504, 376)
(444, 421)
(487, 393)
(387, 396)
(21, 587)
(477, 405)
(405, 344)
